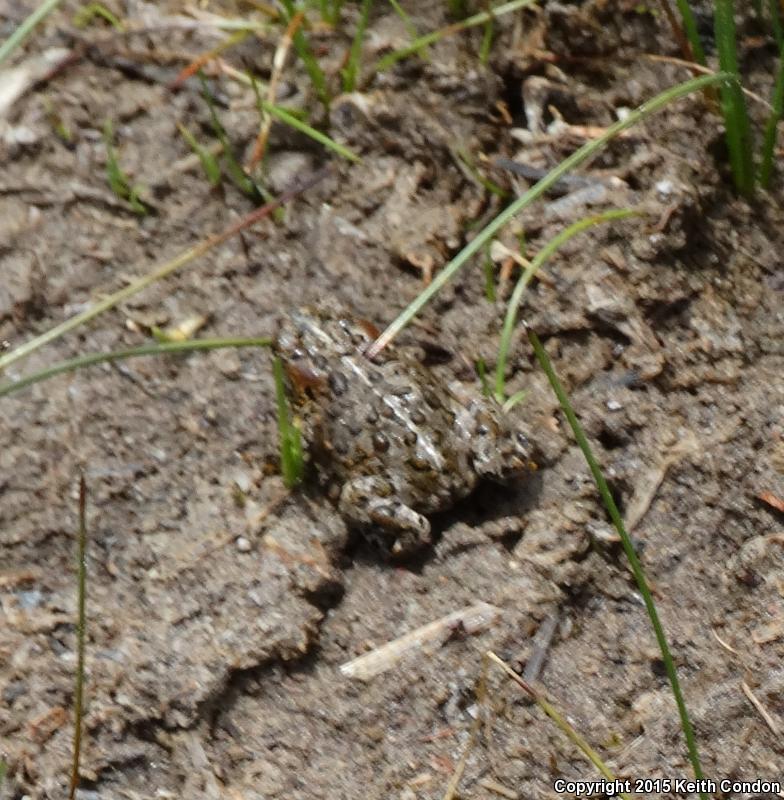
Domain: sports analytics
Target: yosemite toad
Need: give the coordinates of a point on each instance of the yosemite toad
(390, 441)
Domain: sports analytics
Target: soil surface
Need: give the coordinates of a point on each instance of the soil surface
(221, 607)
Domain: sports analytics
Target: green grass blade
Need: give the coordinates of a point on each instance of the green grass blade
(489, 269)
(305, 55)
(457, 8)
(81, 637)
(289, 119)
(119, 182)
(429, 38)
(736, 118)
(528, 274)
(690, 27)
(208, 161)
(578, 157)
(487, 42)
(409, 25)
(771, 128)
(234, 169)
(351, 70)
(776, 24)
(162, 348)
(631, 555)
(26, 28)
(291, 458)
(87, 13)
(566, 727)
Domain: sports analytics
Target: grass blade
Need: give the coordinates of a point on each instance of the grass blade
(771, 128)
(87, 13)
(775, 22)
(573, 735)
(631, 555)
(692, 34)
(409, 25)
(527, 276)
(26, 28)
(351, 70)
(733, 103)
(234, 169)
(161, 348)
(289, 119)
(291, 459)
(208, 161)
(119, 182)
(81, 635)
(429, 38)
(305, 54)
(588, 150)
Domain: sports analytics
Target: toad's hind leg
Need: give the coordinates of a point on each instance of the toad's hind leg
(370, 502)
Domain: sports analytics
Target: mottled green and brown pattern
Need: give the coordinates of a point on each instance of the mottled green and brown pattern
(390, 441)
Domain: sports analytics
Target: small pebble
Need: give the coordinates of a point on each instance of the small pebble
(243, 545)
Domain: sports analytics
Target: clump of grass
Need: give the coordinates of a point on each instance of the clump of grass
(351, 70)
(234, 170)
(422, 42)
(738, 132)
(292, 461)
(330, 11)
(87, 13)
(119, 181)
(208, 161)
(305, 54)
(736, 118)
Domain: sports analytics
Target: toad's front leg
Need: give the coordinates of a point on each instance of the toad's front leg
(370, 502)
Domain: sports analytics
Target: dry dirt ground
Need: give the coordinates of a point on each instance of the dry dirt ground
(220, 608)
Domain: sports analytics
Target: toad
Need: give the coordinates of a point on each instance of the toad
(390, 441)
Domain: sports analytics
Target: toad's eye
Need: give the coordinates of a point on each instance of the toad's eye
(482, 430)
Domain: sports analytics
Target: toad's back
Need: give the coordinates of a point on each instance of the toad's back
(390, 419)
